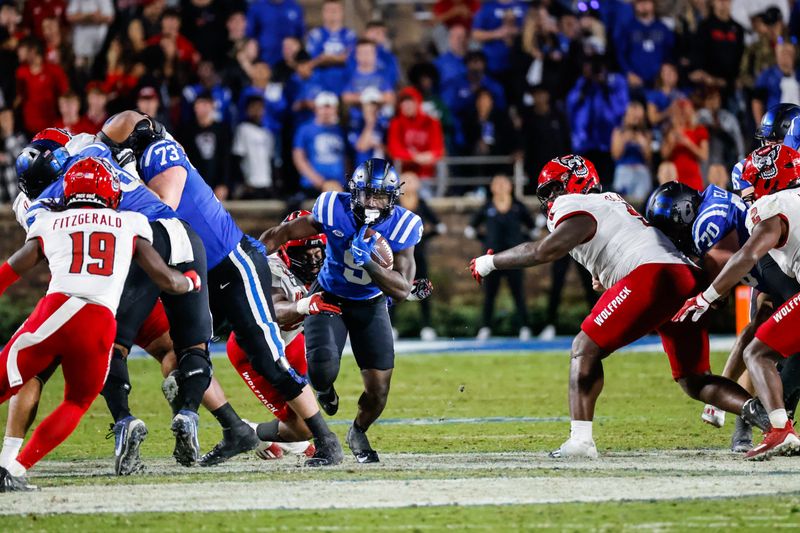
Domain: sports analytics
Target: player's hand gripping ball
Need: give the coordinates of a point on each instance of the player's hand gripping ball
(370, 246)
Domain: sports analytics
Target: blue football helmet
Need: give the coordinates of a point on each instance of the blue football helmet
(672, 208)
(373, 178)
(776, 123)
(40, 164)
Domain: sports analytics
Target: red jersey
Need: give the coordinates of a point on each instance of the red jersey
(443, 6)
(39, 93)
(686, 164)
(420, 133)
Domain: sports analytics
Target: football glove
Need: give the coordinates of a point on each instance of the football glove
(422, 288)
(126, 159)
(696, 307)
(482, 266)
(361, 248)
(195, 283)
(315, 304)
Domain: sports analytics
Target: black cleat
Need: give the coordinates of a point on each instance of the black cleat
(754, 413)
(234, 441)
(329, 401)
(742, 438)
(9, 483)
(329, 452)
(129, 433)
(359, 444)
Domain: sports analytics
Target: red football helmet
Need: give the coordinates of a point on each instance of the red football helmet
(772, 168)
(91, 181)
(568, 174)
(295, 254)
(59, 135)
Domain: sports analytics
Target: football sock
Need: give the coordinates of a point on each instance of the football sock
(226, 417)
(117, 387)
(15, 469)
(268, 431)
(778, 418)
(11, 447)
(52, 431)
(316, 424)
(581, 430)
(359, 428)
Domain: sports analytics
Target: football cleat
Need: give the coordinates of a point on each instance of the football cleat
(742, 438)
(713, 416)
(9, 483)
(777, 441)
(575, 449)
(328, 452)
(172, 392)
(234, 441)
(359, 444)
(129, 433)
(300, 448)
(329, 401)
(755, 414)
(187, 445)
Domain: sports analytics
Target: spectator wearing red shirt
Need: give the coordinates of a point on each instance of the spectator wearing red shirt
(171, 30)
(39, 85)
(686, 144)
(96, 101)
(56, 49)
(415, 139)
(37, 11)
(456, 12)
(69, 106)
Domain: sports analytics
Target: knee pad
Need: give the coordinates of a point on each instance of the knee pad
(323, 373)
(194, 362)
(118, 376)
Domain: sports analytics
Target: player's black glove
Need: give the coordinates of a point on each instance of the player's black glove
(422, 288)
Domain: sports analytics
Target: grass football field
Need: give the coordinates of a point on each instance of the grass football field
(463, 445)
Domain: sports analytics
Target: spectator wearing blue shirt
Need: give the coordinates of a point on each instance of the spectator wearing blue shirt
(302, 88)
(330, 46)
(366, 133)
(665, 92)
(387, 62)
(459, 95)
(595, 106)
(366, 75)
(319, 149)
(211, 84)
(272, 93)
(496, 24)
(451, 64)
(270, 21)
(643, 45)
(779, 83)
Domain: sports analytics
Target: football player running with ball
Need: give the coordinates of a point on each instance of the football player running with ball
(647, 280)
(359, 273)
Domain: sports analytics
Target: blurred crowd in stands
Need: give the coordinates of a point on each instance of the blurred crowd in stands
(266, 107)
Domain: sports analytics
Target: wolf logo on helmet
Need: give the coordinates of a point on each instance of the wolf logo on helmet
(772, 168)
(764, 160)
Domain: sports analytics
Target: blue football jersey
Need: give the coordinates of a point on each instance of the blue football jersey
(339, 274)
(135, 196)
(199, 207)
(720, 212)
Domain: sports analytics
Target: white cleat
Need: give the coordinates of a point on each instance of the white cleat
(524, 333)
(428, 334)
(575, 449)
(548, 333)
(713, 416)
(302, 448)
(484, 333)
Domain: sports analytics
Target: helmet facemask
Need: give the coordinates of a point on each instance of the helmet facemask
(305, 262)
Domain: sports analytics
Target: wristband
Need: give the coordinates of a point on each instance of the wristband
(484, 265)
(710, 294)
(303, 305)
(190, 282)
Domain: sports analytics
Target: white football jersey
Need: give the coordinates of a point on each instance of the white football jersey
(292, 288)
(89, 251)
(785, 204)
(622, 241)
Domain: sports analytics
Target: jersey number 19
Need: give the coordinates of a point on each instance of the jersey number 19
(101, 247)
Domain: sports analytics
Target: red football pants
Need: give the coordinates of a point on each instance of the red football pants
(272, 399)
(82, 334)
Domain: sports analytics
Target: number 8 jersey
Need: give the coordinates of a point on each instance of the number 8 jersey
(623, 240)
(89, 251)
(339, 274)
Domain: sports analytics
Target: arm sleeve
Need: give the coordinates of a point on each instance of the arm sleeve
(563, 208)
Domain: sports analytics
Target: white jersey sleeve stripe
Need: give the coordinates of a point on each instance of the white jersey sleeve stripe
(399, 224)
(319, 208)
(330, 209)
(411, 225)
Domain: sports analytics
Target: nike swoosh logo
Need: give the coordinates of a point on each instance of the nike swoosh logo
(224, 285)
(335, 401)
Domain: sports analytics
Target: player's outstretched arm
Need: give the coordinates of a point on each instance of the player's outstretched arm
(566, 236)
(168, 279)
(299, 228)
(22, 261)
(398, 282)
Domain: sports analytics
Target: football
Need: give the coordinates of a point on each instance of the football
(382, 254)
